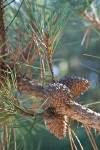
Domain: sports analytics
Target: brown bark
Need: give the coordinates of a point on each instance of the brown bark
(2, 33)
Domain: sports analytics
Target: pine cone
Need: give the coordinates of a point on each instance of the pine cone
(56, 125)
(76, 85)
(58, 95)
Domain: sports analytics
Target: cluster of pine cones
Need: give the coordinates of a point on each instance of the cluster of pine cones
(58, 95)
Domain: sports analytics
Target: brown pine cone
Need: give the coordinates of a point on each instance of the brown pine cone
(76, 85)
(58, 95)
(56, 125)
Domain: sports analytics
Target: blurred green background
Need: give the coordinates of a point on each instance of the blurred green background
(76, 54)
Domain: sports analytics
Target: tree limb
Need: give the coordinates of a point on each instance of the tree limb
(82, 114)
(67, 107)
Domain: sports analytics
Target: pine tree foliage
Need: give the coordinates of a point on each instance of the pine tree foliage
(30, 34)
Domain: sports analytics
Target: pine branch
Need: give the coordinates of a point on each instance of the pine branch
(27, 86)
(54, 95)
(82, 114)
(58, 101)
